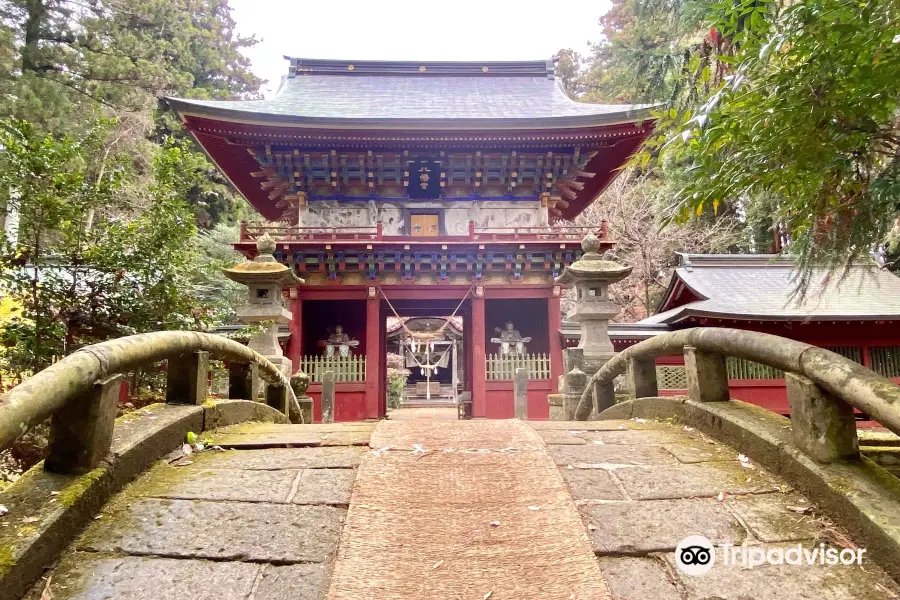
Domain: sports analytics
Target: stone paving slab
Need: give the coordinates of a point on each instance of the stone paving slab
(658, 525)
(592, 484)
(332, 457)
(788, 582)
(704, 480)
(292, 582)
(256, 441)
(315, 428)
(697, 452)
(86, 576)
(324, 486)
(632, 578)
(595, 454)
(611, 425)
(635, 437)
(557, 437)
(774, 517)
(218, 530)
(189, 482)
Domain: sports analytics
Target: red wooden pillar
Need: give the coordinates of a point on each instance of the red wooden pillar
(554, 322)
(373, 353)
(479, 366)
(295, 346)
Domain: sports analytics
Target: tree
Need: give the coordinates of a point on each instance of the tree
(806, 123)
(647, 243)
(79, 282)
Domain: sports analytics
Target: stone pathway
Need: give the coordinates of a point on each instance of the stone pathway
(260, 521)
(462, 509)
(268, 518)
(644, 486)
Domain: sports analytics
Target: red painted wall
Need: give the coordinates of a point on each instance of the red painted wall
(501, 400)
(349, 401)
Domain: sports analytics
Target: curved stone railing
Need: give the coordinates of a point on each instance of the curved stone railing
(79, 393)
(823, 388)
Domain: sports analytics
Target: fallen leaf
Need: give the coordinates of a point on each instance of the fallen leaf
(184, 463)
(437, 564)
(30, 519)
(534, 508)
(745, 462)
(186, 449)
(54, 493)
(46, 595)
(686, 428)
(639, 420)
(800, 509)
(3, 510)
(489, 594)
(721, 497)
(592, 527)
(495, 523)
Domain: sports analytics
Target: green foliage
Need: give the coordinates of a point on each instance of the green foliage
(84, 267)
(804, 127)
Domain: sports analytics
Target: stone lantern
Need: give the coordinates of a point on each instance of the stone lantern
(591, 276)
(265, 277)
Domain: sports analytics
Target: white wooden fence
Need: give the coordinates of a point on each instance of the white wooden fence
(349, 368)
(504, 367)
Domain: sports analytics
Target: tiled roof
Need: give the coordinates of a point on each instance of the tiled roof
(473, 94)
(760, 287)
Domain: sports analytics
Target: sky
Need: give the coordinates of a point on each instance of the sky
(412, 30)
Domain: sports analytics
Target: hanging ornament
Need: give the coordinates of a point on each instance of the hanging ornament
(422, 370)
(435, 370)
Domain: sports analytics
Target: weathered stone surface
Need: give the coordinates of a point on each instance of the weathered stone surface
(216, 484)
(346, 438)
(658, 525)
(793, 582)
(585, 425)
(187, 378)
(328, 397)
(775, 517)
(293, 582)
(287, 439)
(695, 481)
(707, 375)
(324, 486)
(637, 578)
(220, 413)
(592, 484)
(635, 438)
(561, 438)
(85, 576)
(595, 454)
(218, 530)
(318, 428)
(81, 432)
(641, 377)
(698, 452)
(335, 457)
(823, 425)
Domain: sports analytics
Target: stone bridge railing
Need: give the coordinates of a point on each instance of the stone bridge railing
(823, 388)
(80, 393)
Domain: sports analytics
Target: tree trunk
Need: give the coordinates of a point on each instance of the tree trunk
(37, 12)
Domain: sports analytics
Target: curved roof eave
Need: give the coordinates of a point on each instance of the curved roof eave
(187, 108)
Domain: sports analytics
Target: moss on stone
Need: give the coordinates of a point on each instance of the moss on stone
(841, 486)
(209, 403)
(7, 561)
(77, 488)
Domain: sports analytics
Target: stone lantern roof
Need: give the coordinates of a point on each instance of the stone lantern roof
(591, 267)
(264, 268)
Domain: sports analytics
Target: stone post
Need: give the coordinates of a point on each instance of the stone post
(824, 427)
(641, 377)
(81, 432)
(328, 397)
(187, 378)
(278, 398)
(243, 381)
(707, 375)
(300, 383)
(520, 392)
(604, 395)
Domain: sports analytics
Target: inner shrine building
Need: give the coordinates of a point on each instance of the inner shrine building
(420, 189)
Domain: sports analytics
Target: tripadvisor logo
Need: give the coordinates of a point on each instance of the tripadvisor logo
(695, 555)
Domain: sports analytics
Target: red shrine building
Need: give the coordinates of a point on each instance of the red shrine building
(857, 317)
(421, 190)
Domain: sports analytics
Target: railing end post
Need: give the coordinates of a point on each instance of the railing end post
(187, 379)
(823, 426)
(81, 432)
(707, 375)
(641, 376)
